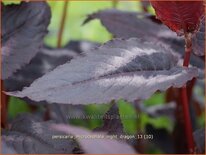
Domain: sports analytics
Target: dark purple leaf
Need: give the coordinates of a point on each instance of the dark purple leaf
(124, 24)
(29, 135)
(162, 139)
(112, 122)
(199, 40)
(23, 29)
(5, 149)
(46, 60)
(63, 113)
(96, 145)
(128, 69)
(199, 93)
(199, 136)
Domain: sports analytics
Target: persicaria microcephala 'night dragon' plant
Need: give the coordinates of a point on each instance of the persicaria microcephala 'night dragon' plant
(132, 66)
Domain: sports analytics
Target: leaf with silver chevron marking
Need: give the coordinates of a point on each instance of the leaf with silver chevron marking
(128, 69)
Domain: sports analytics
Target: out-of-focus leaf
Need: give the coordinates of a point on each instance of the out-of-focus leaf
(59, 113)
(72, 114)
(128, 24)
(112, 122)
(96, 145)
(5, 149)
(46, 60)
(23, 28)
(95, 110)
(128, 69)
(199, 136)
(158, 122)
(124, 24)
(199, 93)
(17, 106)
(88, 116)
(162, 139)
(28, 135)
(128, 116)
(181, 17)
(198, 40)
(201, 120)
(159, 110)
(156, 99)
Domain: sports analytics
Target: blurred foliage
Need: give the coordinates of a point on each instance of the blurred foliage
(128, 116)
(157, 99)
(16, 106)
(6, 2)
(96, 110)
(201, 121)
(91, 112)
(159, 122)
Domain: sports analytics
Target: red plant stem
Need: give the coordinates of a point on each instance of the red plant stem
(185, 103)
(4, 103)
(188, 49)
(188, 125)
(62, 24)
